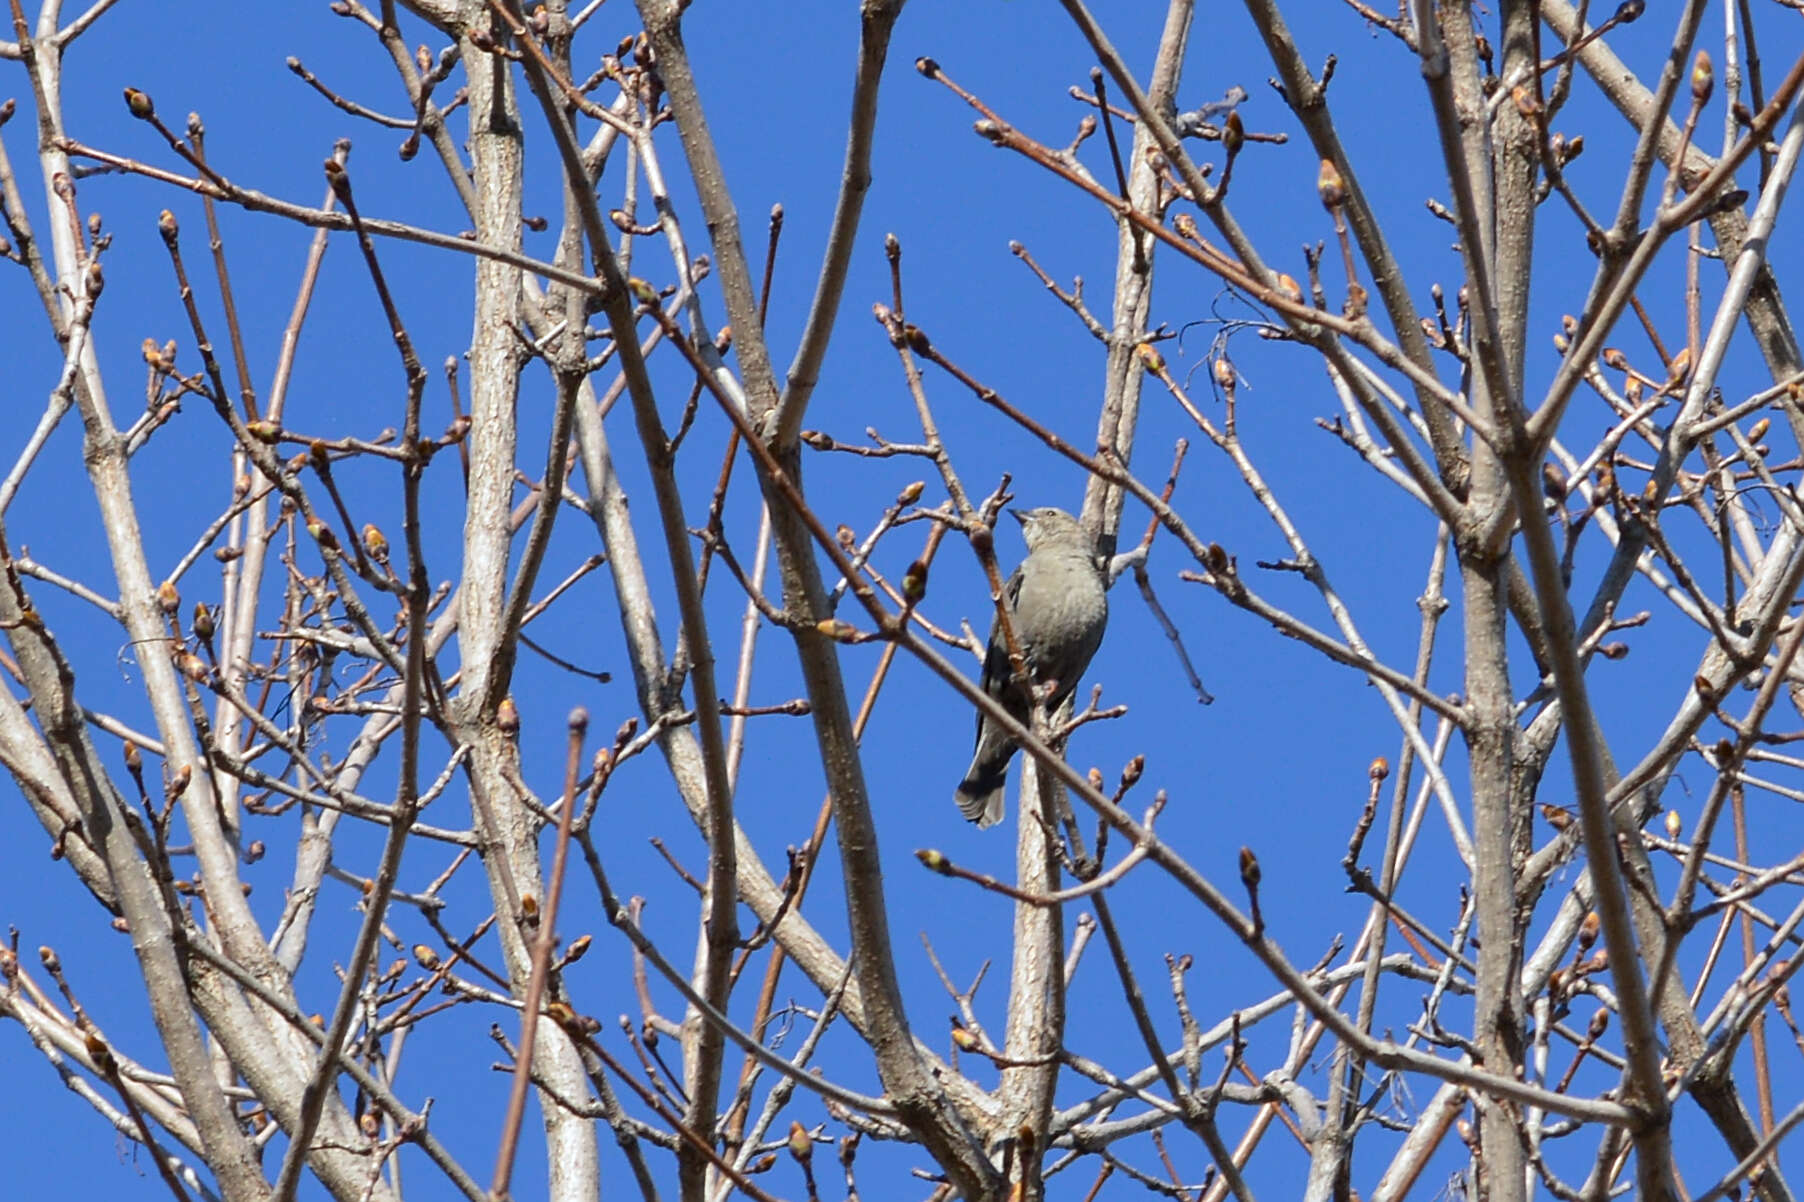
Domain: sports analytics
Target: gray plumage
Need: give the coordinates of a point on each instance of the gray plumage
(1058, 604)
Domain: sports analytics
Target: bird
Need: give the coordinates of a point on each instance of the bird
(1058, 603)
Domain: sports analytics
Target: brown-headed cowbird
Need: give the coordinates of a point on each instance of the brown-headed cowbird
(1058, 604)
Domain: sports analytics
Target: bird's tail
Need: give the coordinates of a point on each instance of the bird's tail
(980, 794)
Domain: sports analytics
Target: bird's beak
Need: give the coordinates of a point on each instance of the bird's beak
(1020, 515)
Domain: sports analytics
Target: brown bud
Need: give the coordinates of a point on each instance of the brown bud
(912, 493)
(836, 630)
(255, 851)
(934, 861)
(1233, 133)
(1680, 367)
(965, 1041)
(134, 759)
(338, 179)
(1249, 868)
(529, 905)
(1556, 817)
(425, 957)
(1218, 559)
(1380, 769)
(800, 1146)
(1703, 78)
(264, 431)
(1131, 774)
(1613, 650)
(168, 598)
(139, 104)
(1224, 373)
(322, 534)
(375, 543)
(1758, 430)
(643, 292)
(1675, 825)
(53, 963)
(99, 1053)
(579, 947)
(1288, 285)
(192, 666)
(1330, 186)
(1587, 932)
(507, 717)
(203, 621)
(914, 581)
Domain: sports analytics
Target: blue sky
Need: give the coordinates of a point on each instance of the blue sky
(1278, 764)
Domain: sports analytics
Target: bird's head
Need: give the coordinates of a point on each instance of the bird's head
(1047, 527)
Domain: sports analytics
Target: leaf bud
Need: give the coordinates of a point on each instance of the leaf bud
(800, 1146)
(375, 543)
(1330, 186)
(914, 581)
(1703, 78)
(1233, 133)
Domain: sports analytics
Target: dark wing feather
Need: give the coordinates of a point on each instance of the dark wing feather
(997, 673)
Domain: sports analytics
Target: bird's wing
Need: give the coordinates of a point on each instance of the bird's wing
(997, 671)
